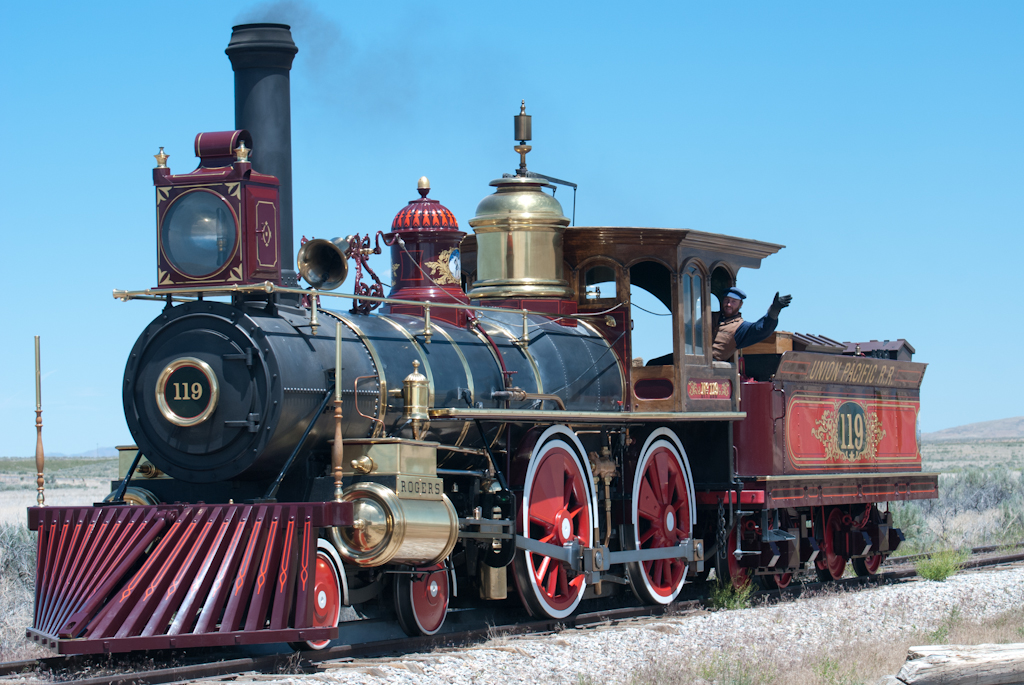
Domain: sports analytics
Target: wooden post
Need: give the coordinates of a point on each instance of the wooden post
(40, 497)
(337, 452)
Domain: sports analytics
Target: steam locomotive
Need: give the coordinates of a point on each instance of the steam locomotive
(481, 434)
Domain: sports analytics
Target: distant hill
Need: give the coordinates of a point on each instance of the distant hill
(1002, 429)
(104, 452)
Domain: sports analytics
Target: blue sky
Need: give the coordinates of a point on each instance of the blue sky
(882, 143)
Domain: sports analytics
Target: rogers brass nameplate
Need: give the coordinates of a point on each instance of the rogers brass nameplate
(418, 487)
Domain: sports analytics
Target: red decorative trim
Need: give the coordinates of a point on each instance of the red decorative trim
(727, 496)
(424, 214)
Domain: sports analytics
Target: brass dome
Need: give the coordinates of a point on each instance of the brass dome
(519, 231)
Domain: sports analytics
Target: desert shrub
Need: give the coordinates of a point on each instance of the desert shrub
(976, 489)
(725, 596)
(910, 518)
(941, 565)
(976, 506)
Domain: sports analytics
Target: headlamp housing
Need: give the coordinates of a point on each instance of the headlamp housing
(219, 224)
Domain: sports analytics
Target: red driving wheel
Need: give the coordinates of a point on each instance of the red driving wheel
(661, 518)
(421, 599)
(557, 510)
(831, 567)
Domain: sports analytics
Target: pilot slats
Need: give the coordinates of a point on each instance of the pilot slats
(120, 578)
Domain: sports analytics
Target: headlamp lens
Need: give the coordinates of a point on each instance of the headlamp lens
(198, 233)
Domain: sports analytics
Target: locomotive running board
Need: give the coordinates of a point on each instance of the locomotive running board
(540, 415)
(124, 578)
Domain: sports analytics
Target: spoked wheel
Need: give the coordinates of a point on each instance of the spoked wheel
(661, 518)
(556, 509)
(867, 566)
(328, 593)
(421, 600)
(831, 567)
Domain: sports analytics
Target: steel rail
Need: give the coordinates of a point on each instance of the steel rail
(311, 662)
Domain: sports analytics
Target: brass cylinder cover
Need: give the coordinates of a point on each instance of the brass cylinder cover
(519, 231)
(387, 529)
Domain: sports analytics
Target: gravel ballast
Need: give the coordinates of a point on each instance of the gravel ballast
(886, 615)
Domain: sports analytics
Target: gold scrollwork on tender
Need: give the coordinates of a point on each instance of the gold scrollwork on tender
(439, 270)
(848, 433)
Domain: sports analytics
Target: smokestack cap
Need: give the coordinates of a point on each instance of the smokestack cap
(267, 46)
(424, 214)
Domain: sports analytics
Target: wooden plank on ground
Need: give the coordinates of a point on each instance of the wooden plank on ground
(964, 665)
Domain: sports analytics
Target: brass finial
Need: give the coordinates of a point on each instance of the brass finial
(161, 159)
(242, 152)
(423, 186)
(40, 480)
(338, 448)
(524, 132)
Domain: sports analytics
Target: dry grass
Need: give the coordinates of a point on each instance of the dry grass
(17, 575)
(951, 456)
(70, 481)
(761, 663)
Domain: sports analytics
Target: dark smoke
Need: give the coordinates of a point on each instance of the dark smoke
(381, 77)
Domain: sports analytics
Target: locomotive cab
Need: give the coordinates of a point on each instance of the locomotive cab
(681, 268)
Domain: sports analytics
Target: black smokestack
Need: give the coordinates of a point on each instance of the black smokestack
(261, 56)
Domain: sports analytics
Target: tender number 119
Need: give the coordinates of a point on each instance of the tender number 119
(851, 432)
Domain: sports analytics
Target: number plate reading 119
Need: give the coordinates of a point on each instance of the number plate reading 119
(851, 432)
(187, 392)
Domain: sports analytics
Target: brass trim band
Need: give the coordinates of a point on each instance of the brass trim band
(161, 387)
(374, 357)
(423, 355)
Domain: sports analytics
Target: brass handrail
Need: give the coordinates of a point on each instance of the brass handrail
(267, 287)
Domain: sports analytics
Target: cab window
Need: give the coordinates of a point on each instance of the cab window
(599, 284)
(693, 312)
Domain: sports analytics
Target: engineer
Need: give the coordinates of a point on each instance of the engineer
(731, 332)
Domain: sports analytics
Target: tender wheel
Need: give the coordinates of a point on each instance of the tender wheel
(328, 593)
(421, 600)
(661, 518)
(831, 567)
(556, 509)
(739, 575)
(867, 566)
(777, 581)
